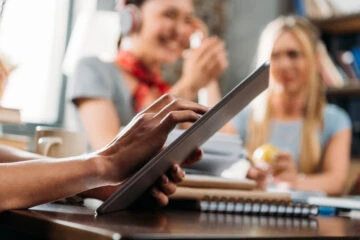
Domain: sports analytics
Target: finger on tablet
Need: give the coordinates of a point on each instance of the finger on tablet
(159, 104)
(169, 122)
(180, 104)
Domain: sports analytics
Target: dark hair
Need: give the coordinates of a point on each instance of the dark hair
(135, 2)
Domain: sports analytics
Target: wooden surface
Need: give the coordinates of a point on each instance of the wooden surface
(339, 25)
(354, 172)
(69, 222)
(347, 92)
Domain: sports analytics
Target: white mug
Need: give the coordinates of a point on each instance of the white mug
(54, 142)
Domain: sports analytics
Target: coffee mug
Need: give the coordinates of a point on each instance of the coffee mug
(55, 142)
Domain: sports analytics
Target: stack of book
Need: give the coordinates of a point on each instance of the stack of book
(342, 66)
(220, 153)
(235, 196)
(330, 73)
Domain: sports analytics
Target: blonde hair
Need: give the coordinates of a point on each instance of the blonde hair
(306, 33)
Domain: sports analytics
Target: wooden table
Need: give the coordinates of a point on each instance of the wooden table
(54, 221)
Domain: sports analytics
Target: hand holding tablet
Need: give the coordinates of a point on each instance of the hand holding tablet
(192, 138)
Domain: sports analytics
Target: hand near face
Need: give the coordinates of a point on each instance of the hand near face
(205, 63)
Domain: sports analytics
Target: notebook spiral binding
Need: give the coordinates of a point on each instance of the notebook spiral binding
(289, 224)
(257, 207)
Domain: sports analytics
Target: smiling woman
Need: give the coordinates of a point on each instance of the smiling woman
(313, 137)
(108, 94)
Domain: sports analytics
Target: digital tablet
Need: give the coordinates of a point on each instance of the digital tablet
(192, 138)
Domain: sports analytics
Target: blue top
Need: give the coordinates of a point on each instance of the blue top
(286, 135)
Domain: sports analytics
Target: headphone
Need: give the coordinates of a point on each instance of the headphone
(130, 18)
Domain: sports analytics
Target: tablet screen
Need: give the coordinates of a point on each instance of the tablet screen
(192, 138)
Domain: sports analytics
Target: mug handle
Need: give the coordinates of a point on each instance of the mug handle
(45, 143)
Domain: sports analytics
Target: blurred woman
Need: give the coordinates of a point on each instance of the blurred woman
(108, 95)
(313, 137)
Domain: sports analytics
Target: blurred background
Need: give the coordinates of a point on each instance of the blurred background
(42, 46)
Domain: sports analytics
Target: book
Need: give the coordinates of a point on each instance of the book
(346, 59)
(204, 181)
(9, 115)
(300, 8)
(220, 152)
(320, 9)
(346, 203)
(356, 54)
(324, 10)
(311, 9)
(239, 202)
(16, 141)
(350, 214)
(328, 70)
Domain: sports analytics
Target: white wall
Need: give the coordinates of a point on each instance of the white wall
(246, 19)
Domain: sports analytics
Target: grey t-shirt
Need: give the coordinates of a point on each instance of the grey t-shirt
(94, 78)
(286, 135)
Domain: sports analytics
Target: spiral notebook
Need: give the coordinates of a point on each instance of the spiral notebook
(230, 221)
(239, 202)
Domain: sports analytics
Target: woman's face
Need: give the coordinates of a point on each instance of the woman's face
(166, 28)
(289, 68)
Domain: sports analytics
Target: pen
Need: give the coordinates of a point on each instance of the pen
(327, 211)
(350, 214)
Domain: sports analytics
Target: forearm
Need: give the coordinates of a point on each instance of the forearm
(213, 92)
(25, 184)
(327, 182)
(10, 154)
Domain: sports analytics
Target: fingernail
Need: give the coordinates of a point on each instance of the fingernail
(180, 172)
(183, 173)
(165, 180)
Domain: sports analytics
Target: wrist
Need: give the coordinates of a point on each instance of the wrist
(103, 170)
(185, 89)
(300, 178)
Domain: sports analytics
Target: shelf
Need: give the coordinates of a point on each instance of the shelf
(340, 24)
(345, 92)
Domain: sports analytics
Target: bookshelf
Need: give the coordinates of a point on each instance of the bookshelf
(342, 33)
(343, 92)
(339, 25)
